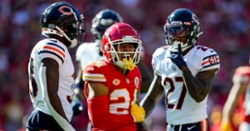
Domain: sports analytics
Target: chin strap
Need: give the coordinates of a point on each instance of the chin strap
(200, 33)
(73, 42)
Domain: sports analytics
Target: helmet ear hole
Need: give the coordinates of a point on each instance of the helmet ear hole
(107, 48)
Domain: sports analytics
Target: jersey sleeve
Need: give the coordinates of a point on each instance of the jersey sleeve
(86, 54)
(156, 58)
(82, 56)
(242, 75)
(54, 50)
(209, 59)
(93, 73)
(80, 52)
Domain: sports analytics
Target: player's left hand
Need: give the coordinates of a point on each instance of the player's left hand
(177, 58)
(77, 107)
(138, 113)
(226, 126)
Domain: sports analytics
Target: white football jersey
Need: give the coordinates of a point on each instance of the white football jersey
(181, 107)
(87, 53)
(51, 48)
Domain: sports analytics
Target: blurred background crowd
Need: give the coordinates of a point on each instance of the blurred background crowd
(225, 25)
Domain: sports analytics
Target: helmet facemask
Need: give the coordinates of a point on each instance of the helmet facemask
(73, 30)
(129, 58)
(81, 31)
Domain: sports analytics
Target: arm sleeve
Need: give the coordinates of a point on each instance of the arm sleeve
(156, 57)
(210, 60)
(102, 119)
(53, 50)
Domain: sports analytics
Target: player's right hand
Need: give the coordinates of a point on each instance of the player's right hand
(138, 113)
(226, 126)
(177, 58)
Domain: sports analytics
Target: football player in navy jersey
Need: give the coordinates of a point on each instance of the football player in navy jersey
(184, 72)
(51, 70)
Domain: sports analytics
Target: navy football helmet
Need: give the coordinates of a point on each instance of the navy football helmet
(182, 27)
(102, 20)
(64, 20)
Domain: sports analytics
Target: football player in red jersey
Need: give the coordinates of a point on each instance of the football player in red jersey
(239, 95)
(112, 85)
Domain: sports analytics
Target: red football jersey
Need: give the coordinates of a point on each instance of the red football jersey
(242, 74)
(122, 92)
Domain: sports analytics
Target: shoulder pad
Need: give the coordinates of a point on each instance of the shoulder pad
(95, 72)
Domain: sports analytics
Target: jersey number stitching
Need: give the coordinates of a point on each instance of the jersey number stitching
(33, 89)
(123, 101)
(172, 88)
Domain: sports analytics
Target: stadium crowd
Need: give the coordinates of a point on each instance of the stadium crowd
(225, 25)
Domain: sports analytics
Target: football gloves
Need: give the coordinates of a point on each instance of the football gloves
(226, 126)
(77, 107)
(138, 113)
(177, 58)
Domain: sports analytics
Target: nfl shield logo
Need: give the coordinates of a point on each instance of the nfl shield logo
(136, 81)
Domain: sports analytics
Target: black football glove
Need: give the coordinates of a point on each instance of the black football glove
(177, 58)
(77, 107)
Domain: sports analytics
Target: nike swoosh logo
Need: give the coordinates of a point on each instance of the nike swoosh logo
(189, 128)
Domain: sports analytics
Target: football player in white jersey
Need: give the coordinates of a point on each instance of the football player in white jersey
(184, 72)
(51, 71)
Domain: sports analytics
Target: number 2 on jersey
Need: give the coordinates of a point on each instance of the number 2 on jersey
(121, 107)
(172, 88)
